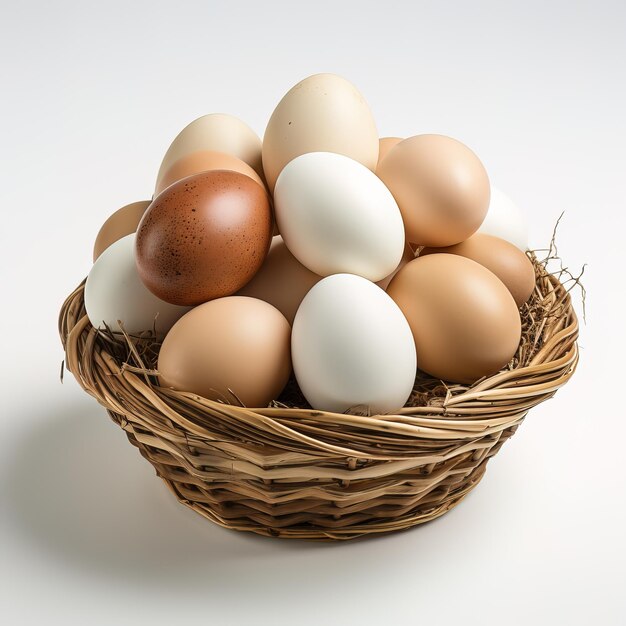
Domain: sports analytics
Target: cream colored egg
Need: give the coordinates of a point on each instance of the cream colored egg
(216, 132)
(322, 113)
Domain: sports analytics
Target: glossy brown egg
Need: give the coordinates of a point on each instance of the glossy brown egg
(204, 237)
(502, 258)
(123, 222)
(465, 322)
(282, 280)
(231, 349)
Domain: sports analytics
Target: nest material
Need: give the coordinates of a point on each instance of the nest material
(290, 471)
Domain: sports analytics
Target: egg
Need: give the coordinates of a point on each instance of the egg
(322, 113)
(204, 237)
(282, 280)
(336, 216)
(505, 220)
(202, 161)
(408, 255)
(502, 258)
(465, 322)
(230, 349)
(123, 222)
(441, 187)
(384, 146)
(215, 132)
(114, 291)
(352, 347)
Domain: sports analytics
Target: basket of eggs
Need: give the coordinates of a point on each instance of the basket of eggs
(321, 335)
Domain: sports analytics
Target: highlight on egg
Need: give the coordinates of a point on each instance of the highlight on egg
(322, 113)
(233, 349)
(441, 187)
(204, 237)
(336, 216)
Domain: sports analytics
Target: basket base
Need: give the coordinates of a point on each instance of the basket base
(375, 528)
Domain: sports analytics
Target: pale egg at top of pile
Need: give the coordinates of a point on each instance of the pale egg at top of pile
(323, 252)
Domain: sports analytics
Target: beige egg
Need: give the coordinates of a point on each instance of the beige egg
(502, 258)
(407, 256)
(465, 322)
(322, 113)
(123, 222)
(233, 345)
(384, 146)
(282, 280)
(215, 132)
(441, 187)
(203, 161)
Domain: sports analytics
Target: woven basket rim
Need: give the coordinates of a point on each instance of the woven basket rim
(494, 402)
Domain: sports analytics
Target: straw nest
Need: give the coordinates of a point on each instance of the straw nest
(289, 471)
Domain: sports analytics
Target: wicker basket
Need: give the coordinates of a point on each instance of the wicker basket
(286, 471)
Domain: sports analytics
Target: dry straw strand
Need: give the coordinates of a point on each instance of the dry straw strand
(290, 471)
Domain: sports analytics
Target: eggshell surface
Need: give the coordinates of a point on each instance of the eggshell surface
(282, 280)
(504, 219)
(114, 291)
(465, 322)
(502, 258)
(384, 146)
(322, 113)
(202, 161)
(121, 223)
(229, 349)
(441, 187)
(336, 216)
(204, 237)
(352, 347)
(407, 256)
(217, 132)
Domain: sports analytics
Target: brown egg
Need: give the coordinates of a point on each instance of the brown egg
(465, 322)
(123, 222)
(282, 280)
(203, 161)
(384, 146)
(235, 344)
(407, 255)
(204, 237)
(441, 187)
(502, 258)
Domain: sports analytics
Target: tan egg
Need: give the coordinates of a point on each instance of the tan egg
(203, 161)
(384, 146)
(441, 187)
(322, 113)
(282, 280)
(123, 222)
(233, 344)
(465, 322)
(408, 255)
(504, 259)
(215, 132)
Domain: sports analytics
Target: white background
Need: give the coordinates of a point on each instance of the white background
(91, 96)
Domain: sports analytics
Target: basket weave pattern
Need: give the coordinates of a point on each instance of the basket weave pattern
(296, 472)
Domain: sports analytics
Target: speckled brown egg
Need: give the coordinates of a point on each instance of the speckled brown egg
(204, 237)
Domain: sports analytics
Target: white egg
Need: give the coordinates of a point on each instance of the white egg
(505, 220)
(114, 291)
(351, 346)
(336, 216)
